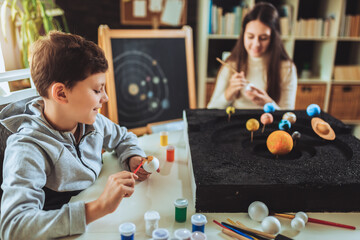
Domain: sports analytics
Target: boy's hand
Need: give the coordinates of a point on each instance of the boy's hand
(118, 186)
(134, 162)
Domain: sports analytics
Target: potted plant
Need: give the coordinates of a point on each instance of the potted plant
(31, 19)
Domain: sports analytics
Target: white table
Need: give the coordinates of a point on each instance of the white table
(161, 190)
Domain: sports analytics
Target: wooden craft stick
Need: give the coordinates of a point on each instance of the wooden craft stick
(242, 226)
(226, 65)
(233, 234)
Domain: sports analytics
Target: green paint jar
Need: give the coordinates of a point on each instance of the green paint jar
(180, 209)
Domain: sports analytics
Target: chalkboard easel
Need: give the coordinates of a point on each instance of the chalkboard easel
(151, 74)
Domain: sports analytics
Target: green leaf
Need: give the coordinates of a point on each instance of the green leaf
(46, 20)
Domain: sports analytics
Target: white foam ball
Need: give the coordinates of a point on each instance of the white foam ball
(271, 225)
(303, 216)
(258, 211)
(151, 166)
(249, 86)
(297, 223)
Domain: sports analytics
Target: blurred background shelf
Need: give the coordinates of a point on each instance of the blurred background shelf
(316, 51)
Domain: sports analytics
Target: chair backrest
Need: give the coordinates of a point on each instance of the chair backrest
(10, 97)
(14, 75)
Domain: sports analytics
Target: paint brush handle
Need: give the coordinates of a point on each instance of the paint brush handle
(233, 234)
(137, 169)
(334, 224)
(318, 221)
(226, 65)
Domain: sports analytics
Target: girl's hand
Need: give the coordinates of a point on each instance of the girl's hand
(134, 162)
(258, 96)
(236, 83)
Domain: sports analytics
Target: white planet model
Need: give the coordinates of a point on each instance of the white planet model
(297, 223)
(151, 165)
(271, 225)
(302, 215)
(258, 211)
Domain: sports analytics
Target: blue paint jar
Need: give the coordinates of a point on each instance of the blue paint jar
(127, 231)
(198, 222)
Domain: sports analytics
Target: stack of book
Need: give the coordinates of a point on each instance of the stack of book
(227, 23)
(350, 26)
(315, 27)
(286, 16)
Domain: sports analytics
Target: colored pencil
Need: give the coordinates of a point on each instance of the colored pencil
(318, 221)
(241, 235)
(137, 169)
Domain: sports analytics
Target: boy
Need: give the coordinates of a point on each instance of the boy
(55, 149)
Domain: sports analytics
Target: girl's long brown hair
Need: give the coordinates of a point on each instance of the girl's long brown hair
(268, 15)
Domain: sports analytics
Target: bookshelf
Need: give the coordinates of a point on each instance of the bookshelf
(315, 39)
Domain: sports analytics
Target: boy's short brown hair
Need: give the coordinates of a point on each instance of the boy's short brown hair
(65, 58)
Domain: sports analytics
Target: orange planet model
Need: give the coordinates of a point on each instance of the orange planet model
(279, 142)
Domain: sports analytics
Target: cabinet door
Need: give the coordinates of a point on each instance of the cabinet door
(307, 94)
(345, 102)
(209, 91)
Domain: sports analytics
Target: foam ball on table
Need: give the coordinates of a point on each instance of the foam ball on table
(284, 125)
(279, 142)
(271, 225)
(313, 110)
(302, 215)
(290, 116)
(258, 211)
(269, 108)
(297, 223)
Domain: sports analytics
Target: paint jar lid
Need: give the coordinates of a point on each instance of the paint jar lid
(127, 229)
(151, 216)
(181, 203)
(170, 147)
(182, 233)
(198, 219)
(198, 236)
(160, 234)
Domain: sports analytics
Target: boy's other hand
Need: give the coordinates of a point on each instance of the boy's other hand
(118, 186)
(134, 162)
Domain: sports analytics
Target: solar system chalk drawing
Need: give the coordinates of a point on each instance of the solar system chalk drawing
(144, 88)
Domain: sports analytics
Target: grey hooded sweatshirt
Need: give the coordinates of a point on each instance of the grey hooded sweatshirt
(44, 167)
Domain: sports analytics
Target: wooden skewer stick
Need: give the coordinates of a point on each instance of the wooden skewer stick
(263, 234)
(227, 65)
(233, 234)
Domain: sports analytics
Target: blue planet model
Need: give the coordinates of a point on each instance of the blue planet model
(313, 110)
(284, 125)
(269, 108)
